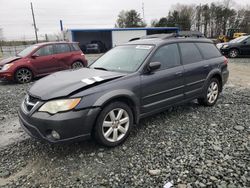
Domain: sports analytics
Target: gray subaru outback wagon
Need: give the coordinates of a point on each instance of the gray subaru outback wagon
(129, 82)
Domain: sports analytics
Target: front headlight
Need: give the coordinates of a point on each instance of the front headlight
(60, 105)
(7, 66)
(225, 46)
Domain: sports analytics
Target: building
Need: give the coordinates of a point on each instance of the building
(115, 36)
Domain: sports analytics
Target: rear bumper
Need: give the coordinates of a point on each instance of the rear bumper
(71, 126)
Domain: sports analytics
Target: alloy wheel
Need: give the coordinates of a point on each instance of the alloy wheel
(77, 65)
(233, 53)
(115, 125)
(213, 92)
(24, 76)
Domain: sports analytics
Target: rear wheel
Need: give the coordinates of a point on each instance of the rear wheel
(23, 75)
(113, 124)
(211, 93)
(77, 65)
(233, 53)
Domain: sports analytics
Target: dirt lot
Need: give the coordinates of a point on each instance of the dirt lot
(188, 145)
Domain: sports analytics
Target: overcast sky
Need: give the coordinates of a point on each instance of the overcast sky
(16, 19)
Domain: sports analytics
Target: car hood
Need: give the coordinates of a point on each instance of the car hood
(9, 60)
(62, 84)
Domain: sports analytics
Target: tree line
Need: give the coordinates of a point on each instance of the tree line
(211, 19)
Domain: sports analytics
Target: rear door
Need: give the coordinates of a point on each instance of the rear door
(195, 69)
(43, 61)
(164, 86)
(63, 56)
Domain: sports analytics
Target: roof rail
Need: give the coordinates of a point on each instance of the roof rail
(185, 34)
(161, 36)
(197, 34)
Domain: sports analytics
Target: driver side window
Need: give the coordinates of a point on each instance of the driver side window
(45, 50)
(168, 56)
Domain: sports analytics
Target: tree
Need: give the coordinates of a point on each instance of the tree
(206, 17)
(129, 19)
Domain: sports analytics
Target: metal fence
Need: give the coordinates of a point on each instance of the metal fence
(7, 51)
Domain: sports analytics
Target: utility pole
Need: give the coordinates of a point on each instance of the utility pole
(34, 22)
(143, 12)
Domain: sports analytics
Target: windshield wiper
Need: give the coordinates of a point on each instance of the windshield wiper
(100, 68)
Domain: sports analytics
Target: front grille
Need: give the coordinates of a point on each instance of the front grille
(30, 102)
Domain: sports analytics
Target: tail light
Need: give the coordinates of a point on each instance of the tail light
(225, 61)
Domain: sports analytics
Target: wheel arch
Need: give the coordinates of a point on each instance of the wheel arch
(79, 60)
(24, 67)
(235, 48)
(124, 96)
(215, 74)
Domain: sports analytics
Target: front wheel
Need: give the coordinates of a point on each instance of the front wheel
(233, 53)
(211, 93)
(113, 124)
(77, 65)
(23, 75)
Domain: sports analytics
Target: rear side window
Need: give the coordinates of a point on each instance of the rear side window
(45, 50)
(61, 48)
(189, 53)
(75, 47)
(168, 56)
(208, 50)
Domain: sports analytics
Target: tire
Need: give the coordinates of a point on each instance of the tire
(211, 93)
(233, 53)
(113, 132)
(23, 75)
(77, 65)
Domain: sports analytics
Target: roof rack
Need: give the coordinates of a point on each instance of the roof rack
(183, 34)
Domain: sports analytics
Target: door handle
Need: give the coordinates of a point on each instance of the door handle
(179, 73)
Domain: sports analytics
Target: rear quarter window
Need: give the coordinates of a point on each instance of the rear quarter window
(208, 50)
(190, 53)
(75, 47)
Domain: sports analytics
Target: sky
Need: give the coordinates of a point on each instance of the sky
(16, 18)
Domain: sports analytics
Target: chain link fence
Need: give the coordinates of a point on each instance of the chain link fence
(7, 51)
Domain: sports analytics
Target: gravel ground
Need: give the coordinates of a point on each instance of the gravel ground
(188, 145)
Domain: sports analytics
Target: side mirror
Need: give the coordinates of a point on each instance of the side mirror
(154, 66)
(34, 56)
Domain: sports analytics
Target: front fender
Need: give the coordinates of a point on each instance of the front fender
(116, 94)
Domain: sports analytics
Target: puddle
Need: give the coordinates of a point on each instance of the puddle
(11, 132)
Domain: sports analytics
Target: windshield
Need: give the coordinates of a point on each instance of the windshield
(27, 51)
(240, 39)
(123, 58)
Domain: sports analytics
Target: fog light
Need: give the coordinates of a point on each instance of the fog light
(55, 135)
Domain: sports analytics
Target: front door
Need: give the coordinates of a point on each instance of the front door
(43, 60)
(163, 87)
(245, 47)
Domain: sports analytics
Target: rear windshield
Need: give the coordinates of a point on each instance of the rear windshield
(208, 50)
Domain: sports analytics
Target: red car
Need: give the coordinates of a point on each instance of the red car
(42, 59)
